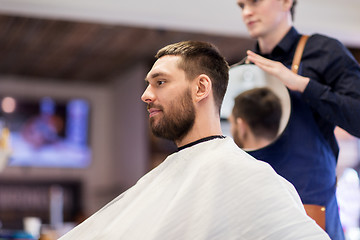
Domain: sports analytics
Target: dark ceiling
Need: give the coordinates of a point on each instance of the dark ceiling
(88, 52)
(57, 50)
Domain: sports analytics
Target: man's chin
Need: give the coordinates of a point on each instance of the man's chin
(254, 33)
(153, 122)
(156, 129)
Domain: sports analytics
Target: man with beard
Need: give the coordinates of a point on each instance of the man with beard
(255, 118)
(210, 188)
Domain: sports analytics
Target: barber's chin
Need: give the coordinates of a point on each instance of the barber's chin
(254, 34)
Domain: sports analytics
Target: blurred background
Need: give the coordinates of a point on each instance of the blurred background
(71, 77)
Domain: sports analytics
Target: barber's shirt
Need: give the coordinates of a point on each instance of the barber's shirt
(333, 92)
(306, 153)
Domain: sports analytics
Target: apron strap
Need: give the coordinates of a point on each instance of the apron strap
(298, 53)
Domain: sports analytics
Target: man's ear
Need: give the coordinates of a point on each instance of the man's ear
(243, 127)
(203, 87)
(287, 4)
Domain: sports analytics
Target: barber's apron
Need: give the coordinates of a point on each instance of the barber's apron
(302, 156)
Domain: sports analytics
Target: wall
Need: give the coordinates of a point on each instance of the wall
(117, 136)
(131, 132)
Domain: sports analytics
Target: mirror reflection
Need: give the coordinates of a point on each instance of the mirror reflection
(256, 107)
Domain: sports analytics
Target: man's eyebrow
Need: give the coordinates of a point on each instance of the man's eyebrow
(155, 75)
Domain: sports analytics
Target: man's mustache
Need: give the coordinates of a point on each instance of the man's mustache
(152, 105)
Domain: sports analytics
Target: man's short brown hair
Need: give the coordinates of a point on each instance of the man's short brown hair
(201, 58)
(261, 109)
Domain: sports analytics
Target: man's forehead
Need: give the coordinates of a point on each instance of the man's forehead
(243, 1)
(163, 66)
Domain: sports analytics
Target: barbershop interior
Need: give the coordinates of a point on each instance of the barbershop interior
(74, 131)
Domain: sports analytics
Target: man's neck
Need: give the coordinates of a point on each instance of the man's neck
(201, 140)
(202, 128)
(268, 42)
(256, 143)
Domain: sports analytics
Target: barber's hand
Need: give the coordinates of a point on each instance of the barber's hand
(293, 81)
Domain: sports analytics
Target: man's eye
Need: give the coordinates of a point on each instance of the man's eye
(160, 83)
(249, 2)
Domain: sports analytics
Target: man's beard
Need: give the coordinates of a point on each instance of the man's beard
(177, 119)
(237, 139)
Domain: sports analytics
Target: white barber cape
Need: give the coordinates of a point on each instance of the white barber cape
(212, 190)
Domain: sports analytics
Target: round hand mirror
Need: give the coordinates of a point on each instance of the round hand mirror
(249, 76)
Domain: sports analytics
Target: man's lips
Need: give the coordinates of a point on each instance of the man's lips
(251, 23)
(153, 111)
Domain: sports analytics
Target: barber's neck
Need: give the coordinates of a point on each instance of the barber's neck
(268, 42)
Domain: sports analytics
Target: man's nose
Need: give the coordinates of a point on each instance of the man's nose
(148, 95)
(247, 10)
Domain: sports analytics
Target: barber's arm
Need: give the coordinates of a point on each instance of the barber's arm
(335, 93)
(336, 96)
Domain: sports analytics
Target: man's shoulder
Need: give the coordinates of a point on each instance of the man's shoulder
(226, 154)
(318, 40)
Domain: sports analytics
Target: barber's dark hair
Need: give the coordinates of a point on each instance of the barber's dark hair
(201, 58)
(261, 109)
(292, 9)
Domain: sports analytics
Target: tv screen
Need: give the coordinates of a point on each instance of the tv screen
(47, 132)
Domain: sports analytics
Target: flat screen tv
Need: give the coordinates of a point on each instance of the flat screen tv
(47, 132)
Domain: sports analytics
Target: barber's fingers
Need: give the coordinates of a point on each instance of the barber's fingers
(270, 66)
(256, 58)
(286, 76)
